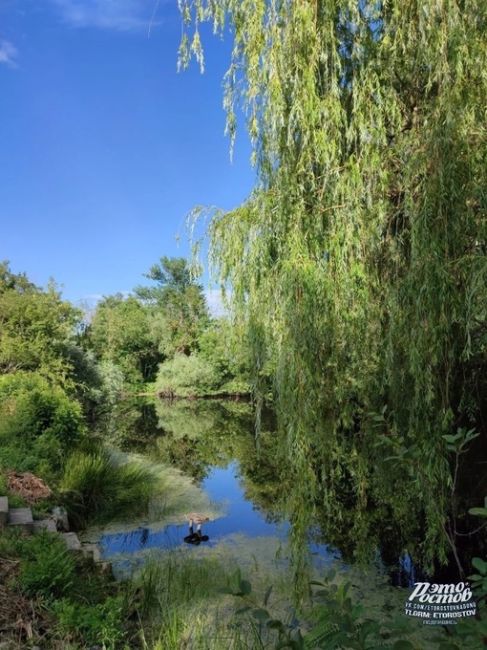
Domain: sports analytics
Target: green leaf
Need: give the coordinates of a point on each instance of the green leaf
(478, 512)
(450, 438)
(479, 564)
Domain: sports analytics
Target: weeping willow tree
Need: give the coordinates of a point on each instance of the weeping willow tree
(358, 262)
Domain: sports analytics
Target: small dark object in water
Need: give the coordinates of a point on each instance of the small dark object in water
(195, 537)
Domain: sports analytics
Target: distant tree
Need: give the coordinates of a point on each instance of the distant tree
(178, 306)
(120, 333)
(18, 281)
(35, 327)
(170, 274)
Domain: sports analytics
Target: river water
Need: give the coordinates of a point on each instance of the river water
(362, 528)
(215, 466)
(212, 463)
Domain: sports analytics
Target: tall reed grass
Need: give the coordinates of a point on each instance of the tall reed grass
(96, 487)
(186, 602)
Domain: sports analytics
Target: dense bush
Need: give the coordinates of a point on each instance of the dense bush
(112, 382)
(97, 487)
(221, 364)
(31, 407)
(35, 325)
(187, 376)
(38, 423)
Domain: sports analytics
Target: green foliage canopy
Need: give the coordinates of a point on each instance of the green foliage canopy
(120, 333)
(35, 328)
(178, 304)
(39, 424)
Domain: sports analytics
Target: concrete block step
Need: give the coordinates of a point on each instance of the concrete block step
(21, 517)
(3, 511)
(93, 551)
(72, 541)
(45, 524)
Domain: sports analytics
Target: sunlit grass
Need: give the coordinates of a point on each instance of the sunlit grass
(187, 602)
(171, 496)
(96, 486)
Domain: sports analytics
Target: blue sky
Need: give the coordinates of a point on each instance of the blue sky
(104, 146)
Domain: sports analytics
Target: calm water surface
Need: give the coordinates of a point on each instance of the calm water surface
(249, 484)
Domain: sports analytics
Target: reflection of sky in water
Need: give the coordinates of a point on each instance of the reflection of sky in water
(242, 517)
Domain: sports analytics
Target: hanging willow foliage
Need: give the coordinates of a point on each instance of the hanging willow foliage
(359, 260)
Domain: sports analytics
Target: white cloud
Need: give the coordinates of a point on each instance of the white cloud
(8, 53)
(121, 15)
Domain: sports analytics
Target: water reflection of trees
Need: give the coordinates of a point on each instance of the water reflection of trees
(351, 494)
(199, 435)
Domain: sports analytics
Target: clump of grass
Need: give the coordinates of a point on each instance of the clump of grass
(189, 602)
(178, 580)
(96, 487)
(178, 593)
(47, 568)
(91, 624)
(10, 542)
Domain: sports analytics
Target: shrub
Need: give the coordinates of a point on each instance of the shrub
(96, 487)
(38, 422)
(31, 407)
(112, 382)
(187, 376)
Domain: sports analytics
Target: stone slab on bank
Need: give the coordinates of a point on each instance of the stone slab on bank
(72, 541)
(45, 524)
(3, 511)
(93, 551)
(21, 517)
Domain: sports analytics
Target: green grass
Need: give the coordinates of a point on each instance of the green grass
(96, 488)
(10, 543)
(47, 568)
(187, 601)
(14, 500)
(91, 624)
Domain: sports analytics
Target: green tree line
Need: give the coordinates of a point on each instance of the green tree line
(163, 338)
(61, 374)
